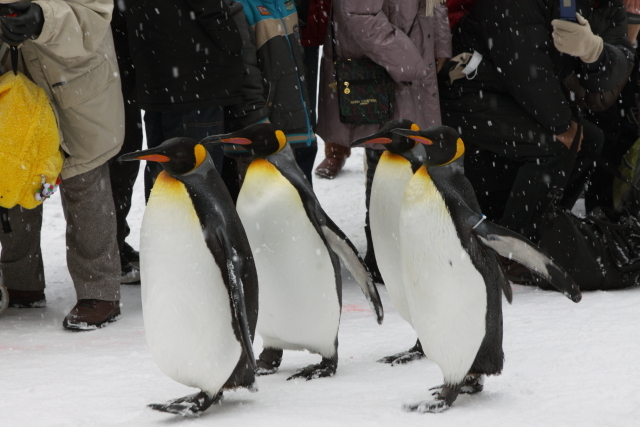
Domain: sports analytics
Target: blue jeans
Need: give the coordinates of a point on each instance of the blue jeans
(196, 124)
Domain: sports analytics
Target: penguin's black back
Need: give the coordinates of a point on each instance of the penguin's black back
(459, 196)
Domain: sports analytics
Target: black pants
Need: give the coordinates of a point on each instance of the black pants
(512, 162)
(123, 175)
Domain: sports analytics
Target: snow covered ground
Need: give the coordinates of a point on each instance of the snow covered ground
(566, 364)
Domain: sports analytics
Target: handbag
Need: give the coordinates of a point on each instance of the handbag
(366, 92)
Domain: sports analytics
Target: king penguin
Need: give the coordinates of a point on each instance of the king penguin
(200, 285)
(453, 279)
(297, 248)
(393, 172)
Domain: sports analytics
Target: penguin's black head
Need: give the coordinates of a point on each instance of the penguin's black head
(259, 140)
(395, 143)
(176, 155)
(442, 144)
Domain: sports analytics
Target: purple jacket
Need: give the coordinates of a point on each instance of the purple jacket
(378, 29)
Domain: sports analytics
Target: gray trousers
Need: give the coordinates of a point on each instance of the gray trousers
(92, 251)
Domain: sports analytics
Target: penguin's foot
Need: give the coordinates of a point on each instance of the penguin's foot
(472, 384)
(269, 361)
(444, 398)
(414, 353)
(326, 368)
(188, 406)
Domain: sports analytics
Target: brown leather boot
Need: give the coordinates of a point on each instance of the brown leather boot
(335, 157)
(26, 299)
(89, 314)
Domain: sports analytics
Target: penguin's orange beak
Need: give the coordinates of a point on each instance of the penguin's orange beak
(421, 139)
(237, 141)
(155, 158)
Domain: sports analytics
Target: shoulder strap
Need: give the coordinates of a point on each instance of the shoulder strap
(567, 166)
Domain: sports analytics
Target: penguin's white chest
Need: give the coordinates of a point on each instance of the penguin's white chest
(387, 191)
(299, 306)
(185, 303)
(446, 294)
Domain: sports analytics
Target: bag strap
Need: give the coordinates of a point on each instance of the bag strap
(14, 59)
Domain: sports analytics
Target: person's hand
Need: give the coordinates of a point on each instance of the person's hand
(27, 25)
(566, 138)
(632, 6)
(441, 61)
(577, 39)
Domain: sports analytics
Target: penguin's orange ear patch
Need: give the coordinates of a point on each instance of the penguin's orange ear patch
(415, 127)
(201, 154)
(282, 139)
(237, 141)
(155, 158)
(421, 139)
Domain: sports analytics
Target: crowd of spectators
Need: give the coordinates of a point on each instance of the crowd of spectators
(513, 78)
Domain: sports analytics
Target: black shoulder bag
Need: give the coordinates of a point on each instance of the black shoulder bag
(366, 92)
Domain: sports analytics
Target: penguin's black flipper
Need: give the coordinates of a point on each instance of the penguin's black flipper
(188, 406)
(285, 162)
(342, 246)
(235, 269)
(514, 246)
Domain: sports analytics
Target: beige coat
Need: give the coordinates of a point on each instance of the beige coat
(378, 29)
(74, 61)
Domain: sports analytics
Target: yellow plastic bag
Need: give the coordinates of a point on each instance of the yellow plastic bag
(630, 168)
(30, 156)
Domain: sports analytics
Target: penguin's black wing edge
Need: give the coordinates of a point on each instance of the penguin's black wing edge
(342, 246)
(234, 267)
(514, 246)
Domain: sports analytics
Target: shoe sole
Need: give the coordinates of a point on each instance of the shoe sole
(32, 304)
(84, 326)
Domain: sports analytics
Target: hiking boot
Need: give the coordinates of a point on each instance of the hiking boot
(26, 299)
(131, 254)
(335, 157)
(516, 272)
(89, 314)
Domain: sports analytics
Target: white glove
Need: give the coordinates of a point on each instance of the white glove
(576, 39)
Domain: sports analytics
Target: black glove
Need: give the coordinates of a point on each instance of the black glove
(27, 25)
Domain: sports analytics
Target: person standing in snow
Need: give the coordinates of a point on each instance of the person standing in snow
(511, 109)
(188, 60)
(67, 49)
(411, 40)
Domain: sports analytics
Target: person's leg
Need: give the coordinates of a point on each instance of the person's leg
(21, 258)
(498, 124)
(123, 175)
(311, 59)
(92, 249)
(305, 156)
(198, 124)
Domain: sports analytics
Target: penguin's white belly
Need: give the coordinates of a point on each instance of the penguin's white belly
(389, 183)
(185, 303)
(446, 294)
(299, 306)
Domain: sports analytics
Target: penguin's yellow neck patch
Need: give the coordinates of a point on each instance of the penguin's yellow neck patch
(168, 185)
(388, 156)
(459, 151)
(282, 139)
(423, 173)
(201, 154)
(261, 166)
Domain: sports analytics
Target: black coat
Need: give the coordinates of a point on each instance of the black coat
(187, 53)
(520, 59)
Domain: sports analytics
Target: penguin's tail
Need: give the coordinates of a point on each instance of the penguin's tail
(188, 406)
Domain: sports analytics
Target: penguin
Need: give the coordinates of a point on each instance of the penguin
(453, 279)
(297, 248)
(393, 172)
(199, 281)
